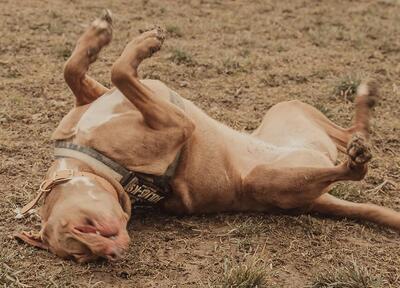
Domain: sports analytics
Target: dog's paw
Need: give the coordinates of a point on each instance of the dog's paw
(358, 151)
(161, 34)
(98, 35)
(153, 31)
(148, 42)
(101, 28)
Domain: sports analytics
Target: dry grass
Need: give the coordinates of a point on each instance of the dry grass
(174, 31)
(350, 275)
(179, 56)
(346, 87)
(234, 59)
(251, 274)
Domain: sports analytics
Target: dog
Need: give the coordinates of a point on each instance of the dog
(142, 142)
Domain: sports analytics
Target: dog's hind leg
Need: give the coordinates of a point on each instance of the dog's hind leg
(303, 116)
(332, 206)
(367, 93)
(296, 187)
(158, 112)
(98, 35)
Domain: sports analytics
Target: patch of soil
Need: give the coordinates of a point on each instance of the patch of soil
(235, 59)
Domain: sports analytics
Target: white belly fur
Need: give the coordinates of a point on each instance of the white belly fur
(101, 111)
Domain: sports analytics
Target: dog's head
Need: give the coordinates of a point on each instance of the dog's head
(83, 218)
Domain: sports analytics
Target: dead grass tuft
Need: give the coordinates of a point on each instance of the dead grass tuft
(174, 31)
(251, 274)
(230, 66)
(346, 87)
(9, 277)
(249, 227)
(352, 275)
(347, 191)
(180, 56)
(64, 52)
(324, 109)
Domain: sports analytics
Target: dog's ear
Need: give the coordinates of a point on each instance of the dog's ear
(32, 238)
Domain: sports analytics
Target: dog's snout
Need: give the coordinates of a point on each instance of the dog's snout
(114, 253)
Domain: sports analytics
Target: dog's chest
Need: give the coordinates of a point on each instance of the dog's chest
(113, 126)
(102, 111)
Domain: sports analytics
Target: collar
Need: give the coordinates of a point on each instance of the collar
(61, 177)
(141, 187)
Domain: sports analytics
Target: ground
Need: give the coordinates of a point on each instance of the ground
(235, 59)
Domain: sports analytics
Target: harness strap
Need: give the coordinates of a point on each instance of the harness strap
(93, 158)
(140, 186)
(46, 186)
(61, 177)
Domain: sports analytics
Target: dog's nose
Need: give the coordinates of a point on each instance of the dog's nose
(114, 253)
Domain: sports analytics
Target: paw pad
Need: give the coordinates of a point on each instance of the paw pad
(160, 32)
(358, 150)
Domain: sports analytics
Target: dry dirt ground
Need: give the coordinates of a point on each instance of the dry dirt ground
(235, 59)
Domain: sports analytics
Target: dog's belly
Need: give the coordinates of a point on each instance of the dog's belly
(217, 158)
(297, 154)
(290, 124)
(112, 105)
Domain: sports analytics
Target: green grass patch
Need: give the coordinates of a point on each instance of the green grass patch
(180, 56)
(346, 87)
(174, 31)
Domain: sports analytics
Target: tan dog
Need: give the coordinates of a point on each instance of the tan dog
(287, 163)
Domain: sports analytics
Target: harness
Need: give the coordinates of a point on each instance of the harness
(141, 187)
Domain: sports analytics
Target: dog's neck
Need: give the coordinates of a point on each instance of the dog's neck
(78, 165)
(83, 170)
(60, 164)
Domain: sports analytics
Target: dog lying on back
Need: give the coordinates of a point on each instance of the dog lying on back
(141, 141)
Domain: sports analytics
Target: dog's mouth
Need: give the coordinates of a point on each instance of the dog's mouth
(107, 241)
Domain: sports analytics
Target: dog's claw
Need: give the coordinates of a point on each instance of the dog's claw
(107, 16)
(161, 34)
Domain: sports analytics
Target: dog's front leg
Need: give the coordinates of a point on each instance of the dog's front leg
(158, 113)
(98, 35)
